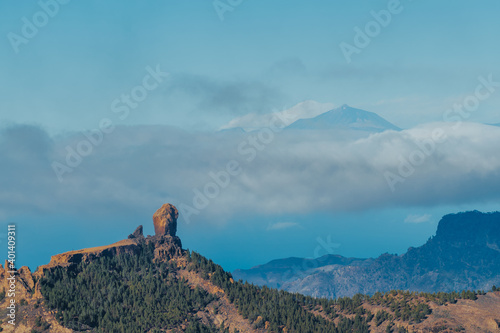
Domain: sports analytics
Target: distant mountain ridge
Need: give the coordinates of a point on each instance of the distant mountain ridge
(464, 254)
(310, 115)
(275, 272)
(345, 117)
(313, 116)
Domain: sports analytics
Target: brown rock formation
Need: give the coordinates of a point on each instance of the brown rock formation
(165, 220)
(26, 278)
(165, 223)
(137, 233)
(67, 259)
(167, 248)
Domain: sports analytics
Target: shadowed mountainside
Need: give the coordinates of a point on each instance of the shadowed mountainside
(464, 254)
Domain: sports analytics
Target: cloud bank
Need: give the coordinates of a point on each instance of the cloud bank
(291, 172)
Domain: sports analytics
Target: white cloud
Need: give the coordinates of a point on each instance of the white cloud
(282, 225)
(306, 109)
(418, 218)
(138, 168)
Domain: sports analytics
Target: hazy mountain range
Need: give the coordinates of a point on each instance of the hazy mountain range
(464, 254)
(311, 115)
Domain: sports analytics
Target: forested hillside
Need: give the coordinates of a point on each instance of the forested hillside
(136, 293)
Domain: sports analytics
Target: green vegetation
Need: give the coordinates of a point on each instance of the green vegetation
(124, 293)
(261, 305)
(382, 316)
(443, 298)
(132, 293)
(253, 302)
(41, 324)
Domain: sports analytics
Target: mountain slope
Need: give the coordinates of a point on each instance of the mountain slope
(464, 254)
(150, 284)
(345, 117)
(277, 272)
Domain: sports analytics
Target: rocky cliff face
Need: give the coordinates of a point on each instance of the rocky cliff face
(464, 254)
(24, 280)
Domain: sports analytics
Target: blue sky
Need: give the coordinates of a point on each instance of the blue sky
(263, 57)
(91, 52)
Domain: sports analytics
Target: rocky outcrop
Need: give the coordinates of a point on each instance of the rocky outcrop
(165, 220)
(26, 278)
(167, 248)
(167, 245)
(24, 283)
(137, 233)
(28, 300)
